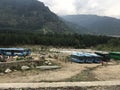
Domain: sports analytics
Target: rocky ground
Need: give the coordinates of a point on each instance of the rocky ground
(68, 71)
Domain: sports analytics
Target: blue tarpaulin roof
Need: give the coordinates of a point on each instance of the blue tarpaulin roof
(19, 49)
(80, 54)
(15, 51)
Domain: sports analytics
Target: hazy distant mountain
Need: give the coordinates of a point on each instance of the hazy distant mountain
(96, 24)
(77, 28)
(29, 15)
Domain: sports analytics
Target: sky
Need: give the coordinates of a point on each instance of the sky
(72, 7)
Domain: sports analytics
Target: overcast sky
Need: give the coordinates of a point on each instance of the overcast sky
(98, 7)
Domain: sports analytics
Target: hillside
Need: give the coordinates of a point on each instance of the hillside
(29, 15)
(96, 24)
(77, 28)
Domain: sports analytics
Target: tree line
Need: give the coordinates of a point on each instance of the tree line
(60, 40)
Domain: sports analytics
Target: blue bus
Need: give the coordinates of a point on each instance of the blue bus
(15, 51)
(81, 57)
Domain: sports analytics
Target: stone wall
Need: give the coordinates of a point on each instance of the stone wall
(17, 65)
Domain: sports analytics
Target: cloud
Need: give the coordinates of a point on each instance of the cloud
(99, 7)
(60, 7)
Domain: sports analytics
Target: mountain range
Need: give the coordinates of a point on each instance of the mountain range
(34, 16)
(93, 24)
(29, 15)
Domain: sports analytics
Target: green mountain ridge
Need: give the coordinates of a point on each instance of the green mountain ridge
(98, 25)
(29, 15)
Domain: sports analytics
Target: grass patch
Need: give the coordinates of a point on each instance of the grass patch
(107, 48)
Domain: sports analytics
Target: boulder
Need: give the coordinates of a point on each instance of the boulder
(8, 70)
(48, 67)
(25, 67)
(1, 74)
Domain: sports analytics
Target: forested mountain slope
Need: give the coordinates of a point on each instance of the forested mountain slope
(96, 24)
(29, 15)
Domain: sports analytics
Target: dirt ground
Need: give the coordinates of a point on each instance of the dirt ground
(111, 72)
(68, 70)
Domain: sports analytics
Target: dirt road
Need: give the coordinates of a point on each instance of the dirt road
(59, 84)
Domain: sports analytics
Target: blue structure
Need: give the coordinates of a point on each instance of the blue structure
(81, 57)
(15, 51)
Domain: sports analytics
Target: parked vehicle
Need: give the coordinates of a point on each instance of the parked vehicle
(15, 51)
(81, 57)
(115, 55)
(105, 56)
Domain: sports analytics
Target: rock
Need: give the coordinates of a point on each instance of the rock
(47, 67)
(15, 57)
(49, 63)
(1, 74)
(46, 62)
(15, 70)
(25, 67)
(8, 70)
